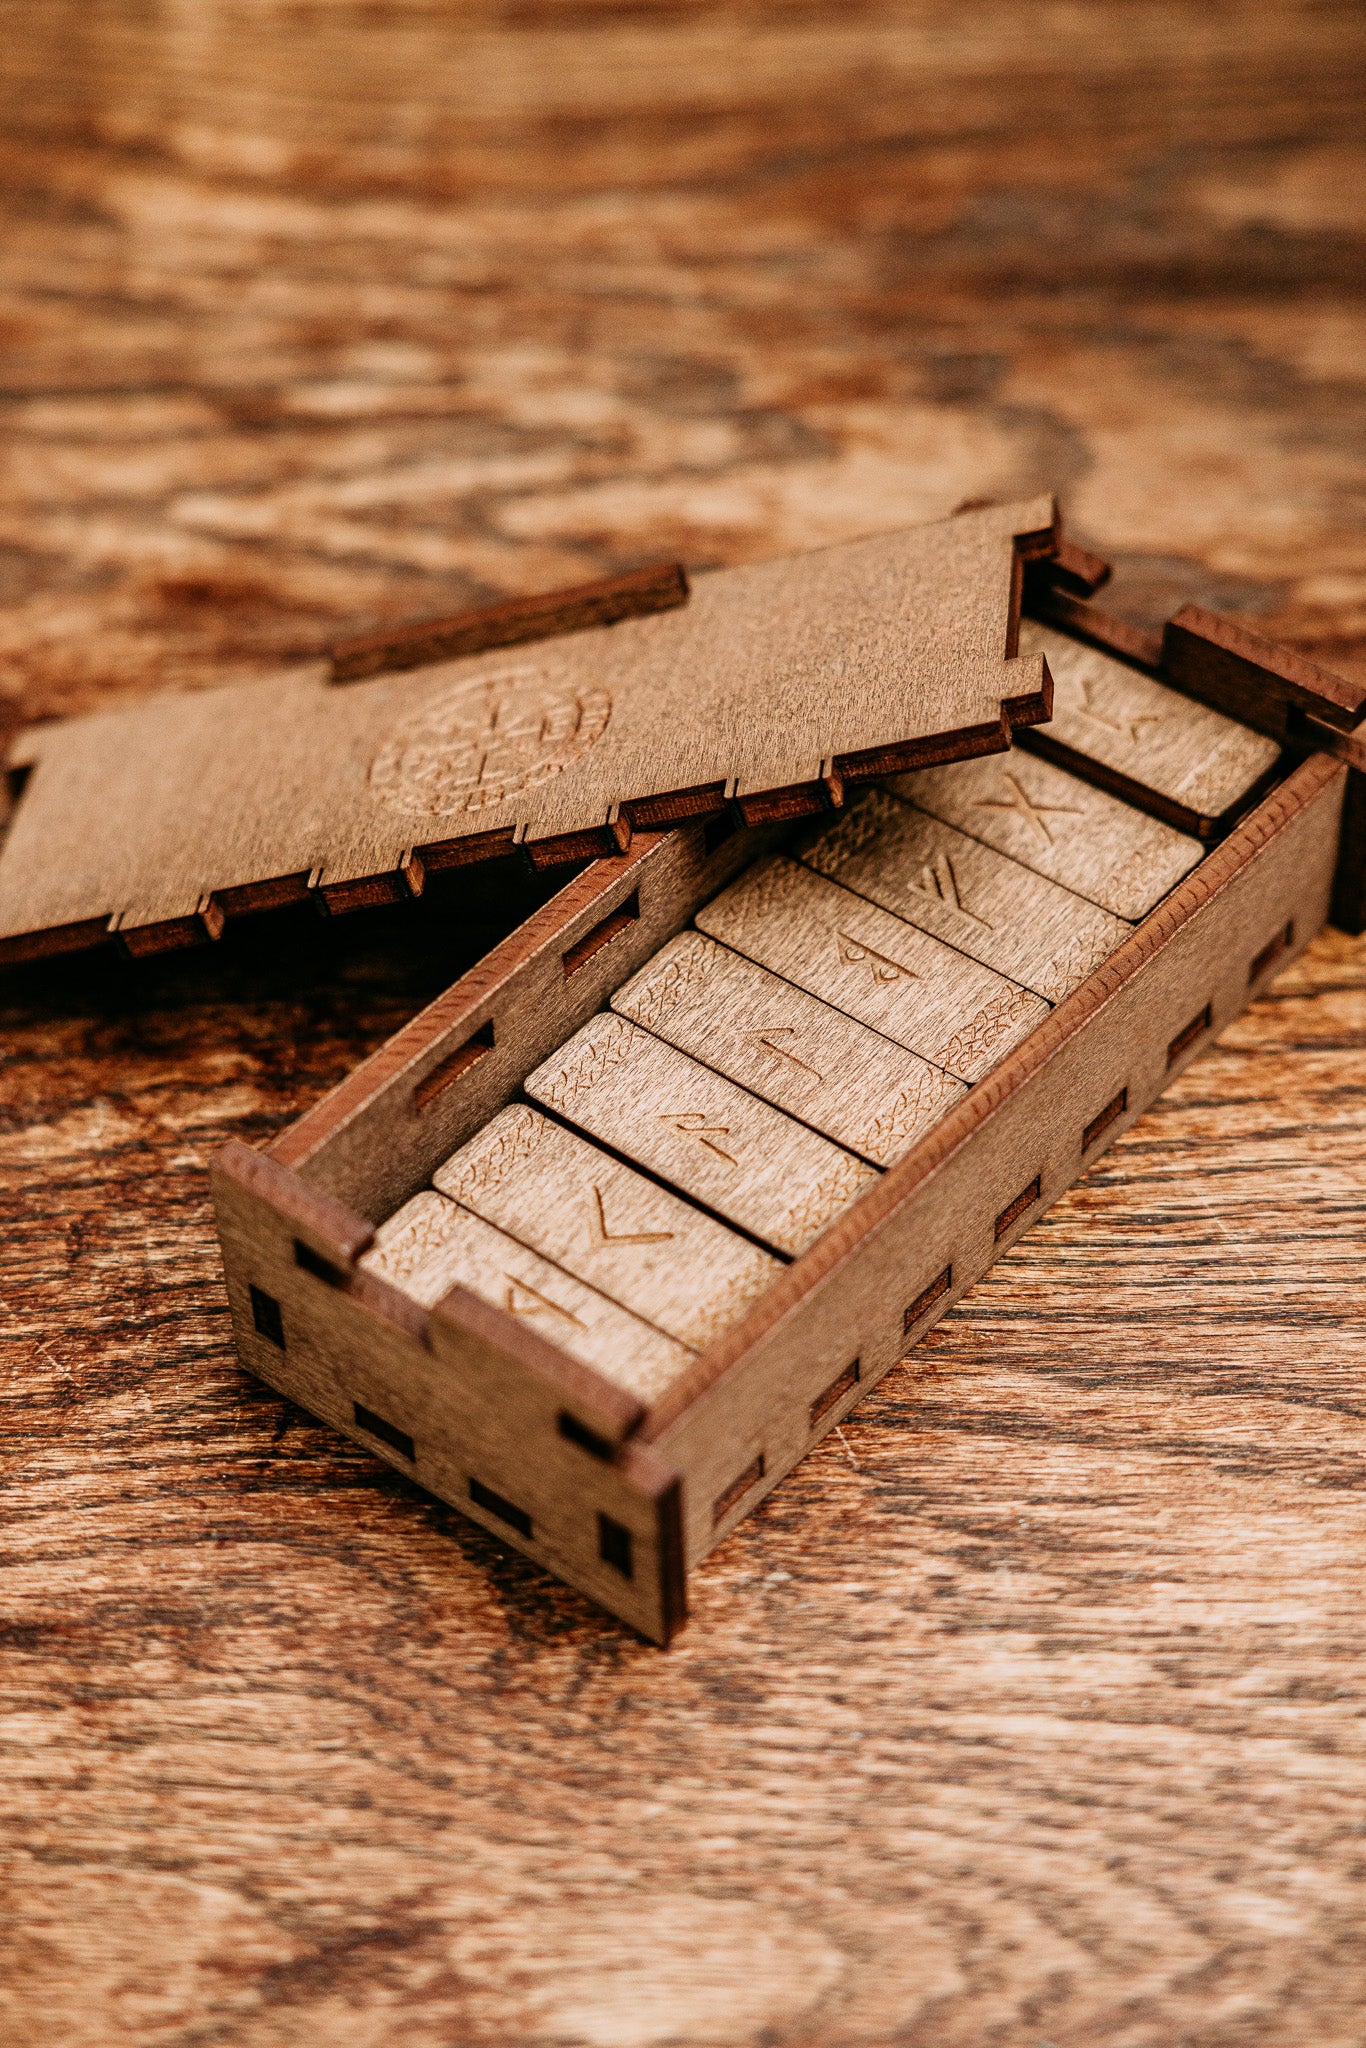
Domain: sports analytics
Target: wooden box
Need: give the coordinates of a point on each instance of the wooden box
(620, 1495)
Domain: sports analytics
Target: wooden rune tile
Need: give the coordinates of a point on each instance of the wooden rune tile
(1112, 724)
(1061, 827)
(772, 1038)
(874, 966)
(432, 1244)
(714, 1141)
(966, 893)
(643, 1247)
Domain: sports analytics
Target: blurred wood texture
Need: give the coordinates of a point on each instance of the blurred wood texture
(1029, 1710)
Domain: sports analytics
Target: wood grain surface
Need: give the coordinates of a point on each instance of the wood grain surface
(1029, 1709)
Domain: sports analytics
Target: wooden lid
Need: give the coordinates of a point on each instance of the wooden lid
(765, 689)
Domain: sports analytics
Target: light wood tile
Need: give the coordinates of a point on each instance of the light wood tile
(965, 893)
(833, 1073)
(646, 1248)
(1190, 762)
(432, 1243)
(1058, 825)
(910, 986)
(702, 1133)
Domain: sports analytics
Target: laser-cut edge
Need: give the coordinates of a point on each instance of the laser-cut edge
(510, 622)
(396, 885)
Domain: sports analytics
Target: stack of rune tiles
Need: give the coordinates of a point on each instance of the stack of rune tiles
(827, 1009)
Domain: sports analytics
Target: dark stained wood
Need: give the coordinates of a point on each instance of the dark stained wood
(513, 623)
(1097, 624)
(1029, 1709)
(1075, 570)
(1229, 666)
(1349, 894)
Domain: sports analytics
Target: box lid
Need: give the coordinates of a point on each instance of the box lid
(764, 688)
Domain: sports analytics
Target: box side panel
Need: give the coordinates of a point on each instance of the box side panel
(454, 1412)
(739, 1434)
(378, 1137)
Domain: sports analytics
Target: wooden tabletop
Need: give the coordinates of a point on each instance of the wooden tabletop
(1029, 1710)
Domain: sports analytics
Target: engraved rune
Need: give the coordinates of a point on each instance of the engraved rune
(692, 1123)
(853, 953)
(535, 1302)
(1024, 806)
(601, 1235)
(766, 1038)
(939, 882)
(1127, 728)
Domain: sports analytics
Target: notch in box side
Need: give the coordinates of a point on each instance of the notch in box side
(448, 1071)
(502, 1509)
(1280, 942)
(602, 934)
(842, 1384)
(1101, 1122)
(322, 1269)
(927, 1299)
(387, 1432)
(1015, 1209)
(266, 1318)
(731, 1496)
(615, 1546)
(1189, 1033)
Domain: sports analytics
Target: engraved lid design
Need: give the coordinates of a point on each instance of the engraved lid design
(487, 739)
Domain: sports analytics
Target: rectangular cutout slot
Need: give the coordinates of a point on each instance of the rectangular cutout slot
(1100, 1124)
(16, 781)
(926, 1300)
(835, 1392)
(1280, 942)
(265, 1315)
(602, 934)
(493, 1504)
(576, 1432)
(449, 1070)
(376, 1426)
(737, 1490)
(614, 1546)
(1013, 1211)
(718, 830)
(314, 1263)
(1186, 1038)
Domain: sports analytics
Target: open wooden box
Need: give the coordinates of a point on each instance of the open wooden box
(619, 1497)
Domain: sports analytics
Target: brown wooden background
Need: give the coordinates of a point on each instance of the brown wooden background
(1030, 1710)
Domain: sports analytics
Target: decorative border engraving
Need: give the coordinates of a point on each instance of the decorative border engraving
(420, 1238)
(712, 1318)
(504, 1144)
(1069, 968)
(861, 824)
(605, 1042)
(912, 1108)
(763, 890)
(987, 1028)
(1138, 883)
(693, 961)
(818, 1205)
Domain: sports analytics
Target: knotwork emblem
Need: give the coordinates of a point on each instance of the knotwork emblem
(486, 739)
